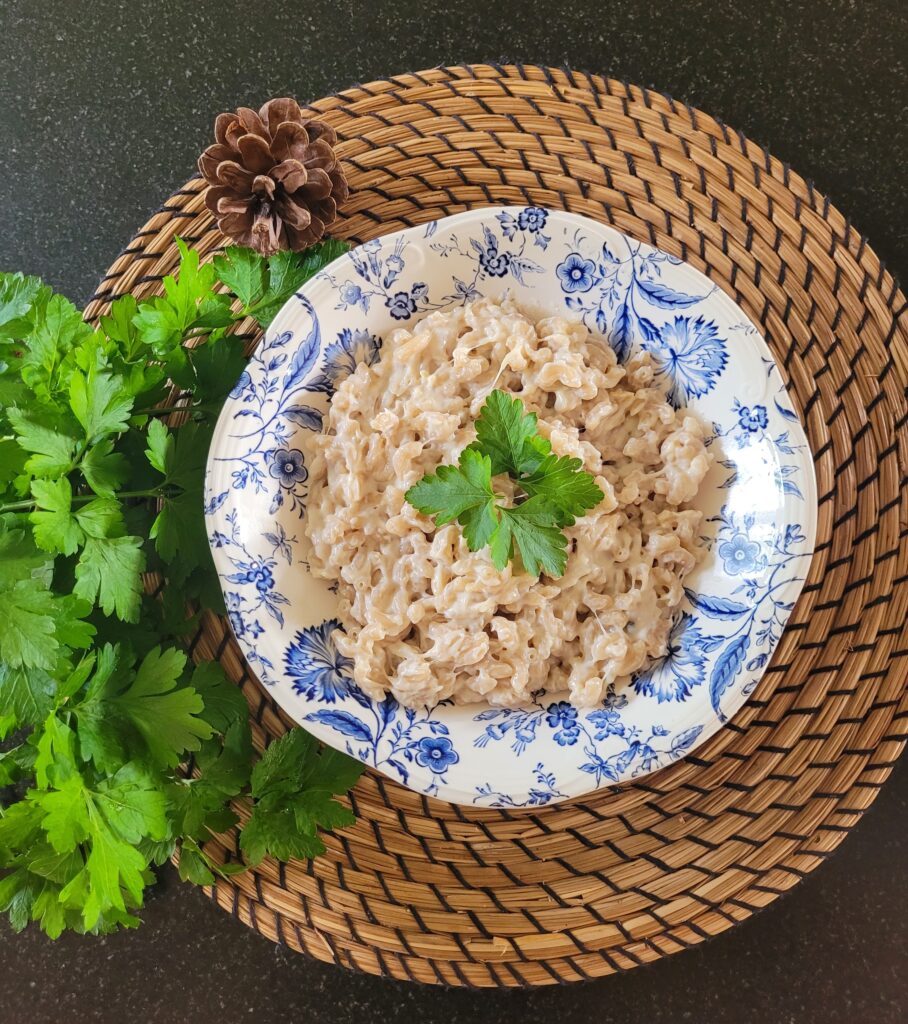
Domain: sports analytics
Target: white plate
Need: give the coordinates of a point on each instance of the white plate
(759, 500)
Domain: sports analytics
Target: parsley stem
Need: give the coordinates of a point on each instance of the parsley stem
(30, 505)
(169, 410)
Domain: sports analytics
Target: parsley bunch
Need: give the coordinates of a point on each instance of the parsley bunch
(555, 490)
(100, 482)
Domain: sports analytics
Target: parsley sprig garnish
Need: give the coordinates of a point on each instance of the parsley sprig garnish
(555, 490)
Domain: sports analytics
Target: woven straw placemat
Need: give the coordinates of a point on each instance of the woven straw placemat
(423, 890)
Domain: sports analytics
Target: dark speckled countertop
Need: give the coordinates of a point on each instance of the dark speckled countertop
(103, 108)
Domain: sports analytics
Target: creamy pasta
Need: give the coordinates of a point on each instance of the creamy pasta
(426, 618)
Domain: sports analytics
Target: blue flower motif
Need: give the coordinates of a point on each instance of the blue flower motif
(260, 575)
(576, 273)
(608, 723)
(241, 385)
(533, 218)
(563, 718)
(401, 305)
(287, 467)
(753, 420)
(436, 753)
(614, 701)
(463, 291)
(350, 293)
(740, 555)
(494, 262)
(673, 676)
(689, 356)
(319, 670)
(343, 356)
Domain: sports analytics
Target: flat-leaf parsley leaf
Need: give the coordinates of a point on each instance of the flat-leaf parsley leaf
(555, 488)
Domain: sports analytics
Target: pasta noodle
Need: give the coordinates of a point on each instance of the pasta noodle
(426, 618)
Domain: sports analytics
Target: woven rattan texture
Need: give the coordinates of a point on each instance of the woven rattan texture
(422, 890)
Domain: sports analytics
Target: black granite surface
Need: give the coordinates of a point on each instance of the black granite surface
(103, 108)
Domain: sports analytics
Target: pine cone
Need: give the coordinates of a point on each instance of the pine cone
(275, 182)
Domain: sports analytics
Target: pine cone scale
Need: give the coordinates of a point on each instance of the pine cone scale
(317, 186)
(291, 174)
(255, 153)
(274, 178)
(264, 187)
(290, 141)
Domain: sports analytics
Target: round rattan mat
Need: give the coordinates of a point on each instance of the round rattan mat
(422, 890)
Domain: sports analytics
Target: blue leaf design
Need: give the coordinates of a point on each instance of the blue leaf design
(387, 709)
(648, 329)
(711, 643)
(305, 416)
(716, 607)
(520, 266)
(620, 339)
(685, 740)
(659, 295)
(600, 768)
(757, 663)
(790, 487)
(304, 358)
(343, 722)
(400, 769)
(357, 694)
(727, 666)
(787, 413)
(215, 503)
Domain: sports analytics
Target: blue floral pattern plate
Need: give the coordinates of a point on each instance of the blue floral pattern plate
(759, 500)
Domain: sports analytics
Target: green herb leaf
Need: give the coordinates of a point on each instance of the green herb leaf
(45, 435)
(189, 303)
(561, 480)
(502, 431)
(244, 272)
(541, 544)
(462, 492)
(56, 528)
(143, 714)
(119, 327)
(294, 786)
(104, 469)
(27, 694)
(99, 404)
(58, 327)
(109, 572)
(18, 295)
